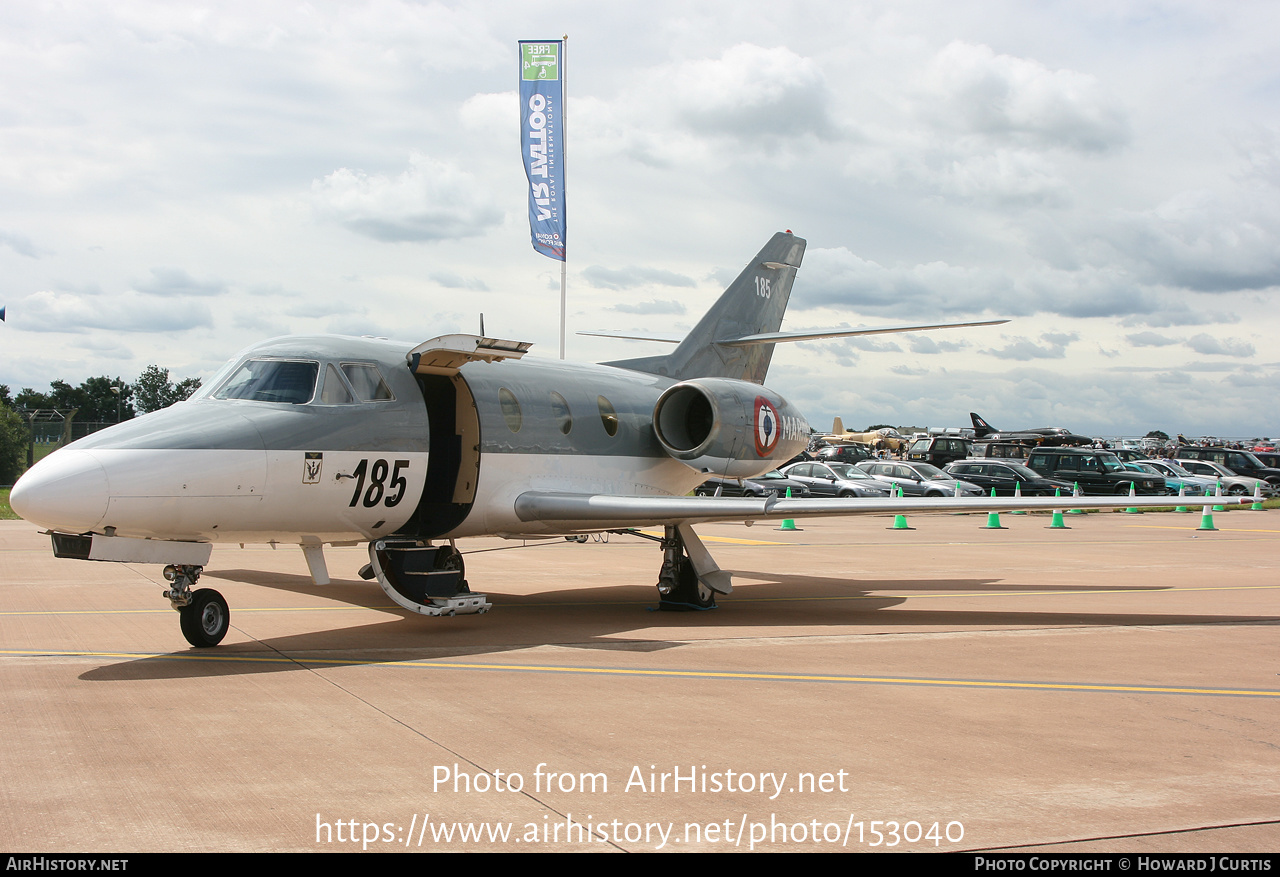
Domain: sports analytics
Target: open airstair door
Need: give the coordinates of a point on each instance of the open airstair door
(425, 578)
(453, 461)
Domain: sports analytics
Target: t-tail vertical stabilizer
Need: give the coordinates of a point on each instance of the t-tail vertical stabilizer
(753, 304)
(735, 338)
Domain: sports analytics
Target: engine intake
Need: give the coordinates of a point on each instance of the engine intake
(735, 429)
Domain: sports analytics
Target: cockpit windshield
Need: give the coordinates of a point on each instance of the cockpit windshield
(272, 380)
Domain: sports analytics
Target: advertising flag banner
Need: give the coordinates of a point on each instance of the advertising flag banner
(542, 141)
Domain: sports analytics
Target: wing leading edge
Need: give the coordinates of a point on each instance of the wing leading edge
(580, 512)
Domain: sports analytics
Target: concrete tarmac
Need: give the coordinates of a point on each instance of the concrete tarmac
(1109, 687)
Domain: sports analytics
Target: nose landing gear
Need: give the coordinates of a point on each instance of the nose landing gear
(204, 614)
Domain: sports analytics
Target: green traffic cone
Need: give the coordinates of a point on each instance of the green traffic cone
(993, 518)
(1057, 523)
(1133, 492)
(1076, 491)
(899, 521)
(1017, 494)
(1218, 506)
(1182, 491)
(1206, 520)
(1257, 497)
(788, 523)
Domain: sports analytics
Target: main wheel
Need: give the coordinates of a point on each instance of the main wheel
(689, 594)
(206, 619)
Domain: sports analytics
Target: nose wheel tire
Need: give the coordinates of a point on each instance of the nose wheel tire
(206, 619)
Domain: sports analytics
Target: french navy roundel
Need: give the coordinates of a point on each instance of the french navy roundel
(766, 426)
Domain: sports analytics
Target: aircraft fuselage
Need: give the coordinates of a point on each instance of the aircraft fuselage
(440, 456)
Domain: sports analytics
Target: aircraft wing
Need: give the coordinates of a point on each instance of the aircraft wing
(583, 512)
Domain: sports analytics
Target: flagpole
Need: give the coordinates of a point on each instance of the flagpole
(564, 144)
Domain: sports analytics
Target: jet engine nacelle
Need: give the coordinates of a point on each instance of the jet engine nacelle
(734, 429)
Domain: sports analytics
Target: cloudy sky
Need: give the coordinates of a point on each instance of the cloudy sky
(180, 180)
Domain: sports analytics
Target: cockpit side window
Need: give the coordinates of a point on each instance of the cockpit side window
(286, 381)
(335, 390)
(207, 388)
(367, 381)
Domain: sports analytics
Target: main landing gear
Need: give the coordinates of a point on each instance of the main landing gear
(204, 614)
(689, 578)
(678, 587)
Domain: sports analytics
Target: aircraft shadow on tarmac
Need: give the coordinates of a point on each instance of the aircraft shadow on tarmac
(592, 618)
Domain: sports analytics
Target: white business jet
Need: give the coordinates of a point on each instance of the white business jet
(330, 440)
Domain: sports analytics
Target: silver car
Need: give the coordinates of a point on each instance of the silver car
(1236, 485)
(1175, 476)
(919, 479)
(836, 479)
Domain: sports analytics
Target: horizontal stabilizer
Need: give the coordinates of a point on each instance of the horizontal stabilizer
(629, 337)
(775, 337)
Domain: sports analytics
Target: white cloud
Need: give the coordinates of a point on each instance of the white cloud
(651, 307)
(837, 278)
(1204, 343)
(19, 244)
(129, 312)
(1204, 241)
(752, 93)
(1003, 98)
(175, 281)
(1023, 349)
(632, 276)
(431, 201)
(1150, 339)
(492, 112)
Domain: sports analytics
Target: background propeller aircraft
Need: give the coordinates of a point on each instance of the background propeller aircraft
(887, 435)
(315, 440)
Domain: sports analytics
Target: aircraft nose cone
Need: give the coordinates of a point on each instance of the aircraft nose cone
(66, 491)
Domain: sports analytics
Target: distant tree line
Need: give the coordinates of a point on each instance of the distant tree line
(98, 400)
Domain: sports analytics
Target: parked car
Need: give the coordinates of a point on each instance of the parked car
(1169, 469)
(1270, 459)
(836, 479)
(1005, 476)
(1242, 463)
(769, 484)
(1172, 483)
(918, 479)
(939, 449)
(1002, 450)
(850, 453)
(1097, 472)
(1236, 485)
